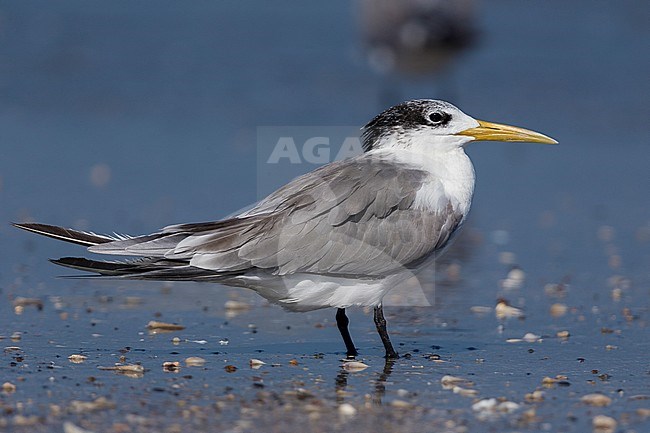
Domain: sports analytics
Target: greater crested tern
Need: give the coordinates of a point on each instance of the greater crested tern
(340, 236)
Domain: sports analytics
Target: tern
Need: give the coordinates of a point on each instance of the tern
(340, 236)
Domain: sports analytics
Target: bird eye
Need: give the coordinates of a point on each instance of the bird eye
(437, 117)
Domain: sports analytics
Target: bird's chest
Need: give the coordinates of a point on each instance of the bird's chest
(450, 182)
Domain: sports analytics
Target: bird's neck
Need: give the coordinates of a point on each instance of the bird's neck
(451, 173)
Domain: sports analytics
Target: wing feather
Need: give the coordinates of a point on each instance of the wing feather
(350, 217)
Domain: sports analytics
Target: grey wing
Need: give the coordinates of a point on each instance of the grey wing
(352, 217)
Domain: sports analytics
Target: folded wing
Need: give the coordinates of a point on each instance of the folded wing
(353, 217)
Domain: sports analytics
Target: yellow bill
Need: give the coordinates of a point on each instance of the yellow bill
(488, 131)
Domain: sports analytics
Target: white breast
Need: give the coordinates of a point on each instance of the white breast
(452, 180)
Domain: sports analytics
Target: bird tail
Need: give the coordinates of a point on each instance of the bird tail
(144, 268)
(87, 239)
(101, 267)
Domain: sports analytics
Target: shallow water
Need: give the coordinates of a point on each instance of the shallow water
(139, 117)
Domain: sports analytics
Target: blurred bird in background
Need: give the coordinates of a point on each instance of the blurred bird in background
(415, 39)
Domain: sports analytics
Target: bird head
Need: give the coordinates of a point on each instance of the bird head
(439, 123)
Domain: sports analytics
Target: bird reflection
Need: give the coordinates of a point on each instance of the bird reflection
(380, 383)
(341, 383)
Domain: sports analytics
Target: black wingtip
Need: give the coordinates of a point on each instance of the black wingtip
(76, 262)
(86, 239)
(111, 268)
(67, 262)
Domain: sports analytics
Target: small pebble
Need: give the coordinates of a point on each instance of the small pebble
(563, 334)
(514, 280)
(347, 410)
(643, 412)
(549, 382)
(402, 393)
(453, 271)
(133, 301)
(529, 417)
(194, 361)
(400, 404)
(558, 309)
(100, 175)
(353, 366)
(76, 358)
(26, 421)
(606, 233)
(300, 394)
(596, 400)
(528, 338)
(236, 305)
(535, 396)
(68, 427)
(603, 423)
(124, 368)
(464, 391)
(449, 381)
(507, 258)
(101, 403)
(629, 316)
(479, 309)
(555, 290)
(504, 311)
(256, 363)
(493, 405)
(8, 387)
(507, 406)
(531, 338)
(26, 302)
(162, 326)
(173, 366)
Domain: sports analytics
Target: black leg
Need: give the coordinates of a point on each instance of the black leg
(380, 322)
(342, 322)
